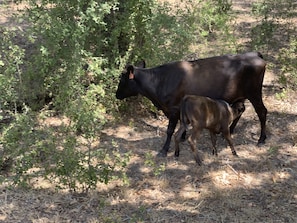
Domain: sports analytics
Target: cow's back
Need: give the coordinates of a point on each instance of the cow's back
(229, 78)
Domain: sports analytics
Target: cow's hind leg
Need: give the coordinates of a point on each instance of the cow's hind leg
(192, 141)
(262, 113)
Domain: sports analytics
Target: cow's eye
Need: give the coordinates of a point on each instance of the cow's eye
(124, 75)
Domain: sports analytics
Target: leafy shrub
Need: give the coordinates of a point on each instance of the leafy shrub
(261, 33)
(57, 154)
(275, 33)
(79, 49)
(288, 64)
(213, 22)
(274, 26)
(11, 74)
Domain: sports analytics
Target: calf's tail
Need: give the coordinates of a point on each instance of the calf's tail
(184, 119)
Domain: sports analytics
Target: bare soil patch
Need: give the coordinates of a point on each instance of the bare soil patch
(258, 186)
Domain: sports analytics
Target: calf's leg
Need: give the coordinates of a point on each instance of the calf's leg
(178, 138)
(192, 140)
(227, 136)
(213, 138)
(184, 135)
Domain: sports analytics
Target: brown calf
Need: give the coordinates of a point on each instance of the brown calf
(206, 113)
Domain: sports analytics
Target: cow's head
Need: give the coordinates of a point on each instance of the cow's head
(127, 86)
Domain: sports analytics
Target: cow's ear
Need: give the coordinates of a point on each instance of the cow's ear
(130, 71)
(141, 64)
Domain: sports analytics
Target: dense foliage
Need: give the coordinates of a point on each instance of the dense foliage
(69, 61)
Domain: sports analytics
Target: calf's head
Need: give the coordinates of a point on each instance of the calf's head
(237, 109)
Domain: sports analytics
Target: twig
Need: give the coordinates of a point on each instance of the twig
(198, 205)
(233, 169)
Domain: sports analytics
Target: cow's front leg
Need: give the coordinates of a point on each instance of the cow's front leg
(170, 130)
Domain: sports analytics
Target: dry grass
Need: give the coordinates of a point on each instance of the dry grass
(258, 186)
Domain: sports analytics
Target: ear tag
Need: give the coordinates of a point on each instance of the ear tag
(131, 75)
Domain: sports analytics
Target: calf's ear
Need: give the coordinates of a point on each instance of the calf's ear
(241, 108)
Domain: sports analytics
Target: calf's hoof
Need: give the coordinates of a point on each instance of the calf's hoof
(214, 153)
(176, 154)
(198, 161)
(234, 154)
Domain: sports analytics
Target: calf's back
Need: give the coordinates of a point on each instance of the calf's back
(203, 112)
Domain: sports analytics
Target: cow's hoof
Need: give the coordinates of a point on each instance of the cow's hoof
(162, 154)
(261, 143)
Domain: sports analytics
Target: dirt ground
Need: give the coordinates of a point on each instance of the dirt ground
(258, 186)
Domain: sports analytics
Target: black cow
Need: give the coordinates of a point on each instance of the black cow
(206, 113)
(231, 78)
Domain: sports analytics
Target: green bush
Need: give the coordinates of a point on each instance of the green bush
(275, 34)
(274, 27)
(57, 154)
(79, 48)
(11, 74)
(288, 65)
